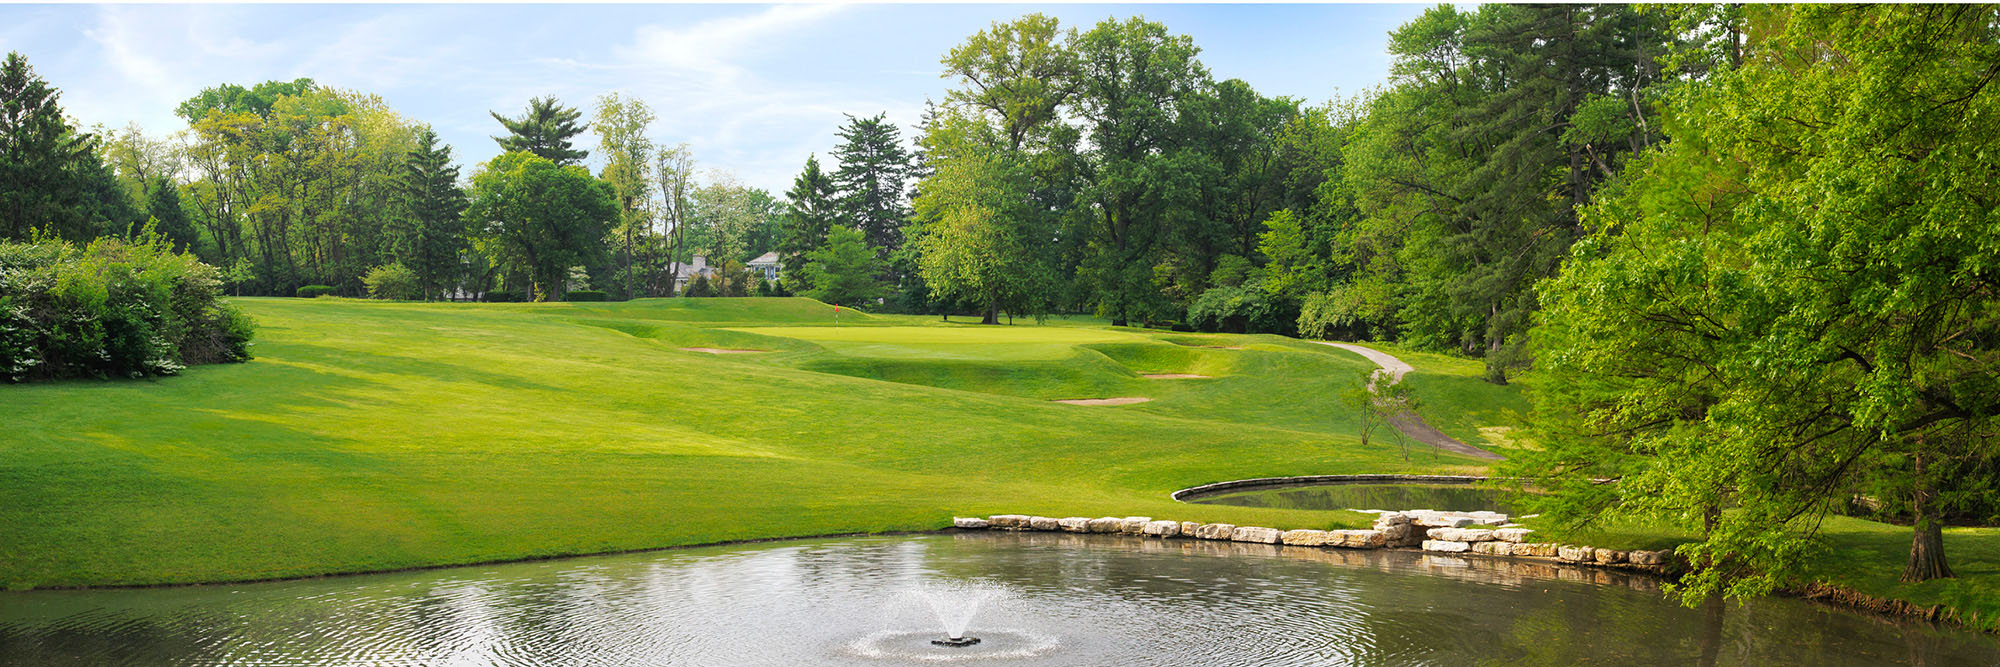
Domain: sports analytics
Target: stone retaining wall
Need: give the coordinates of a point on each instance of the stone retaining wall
(1456, 533)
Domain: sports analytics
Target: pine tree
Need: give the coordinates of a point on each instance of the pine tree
(870, 182)
(808, 218)
(544, 130)
(42, 159)
(169, 219)
(433, 233)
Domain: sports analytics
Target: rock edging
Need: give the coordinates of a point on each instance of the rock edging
(1458, 533)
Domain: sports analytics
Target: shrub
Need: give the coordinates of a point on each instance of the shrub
(111, 309)
(1243, 309)
(502, 296)
(313, 291)
(393, 281)
(585, 295)
(701, 287)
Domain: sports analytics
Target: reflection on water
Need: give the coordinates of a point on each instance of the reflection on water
(1458, 498)
(1093, 600)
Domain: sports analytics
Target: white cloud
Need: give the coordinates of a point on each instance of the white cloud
(716, 46)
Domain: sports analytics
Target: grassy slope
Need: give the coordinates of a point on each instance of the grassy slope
(371, 436)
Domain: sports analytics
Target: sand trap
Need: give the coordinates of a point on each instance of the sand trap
(1122, 400)
(1174, 376)
(1221, 347)
(720, 350)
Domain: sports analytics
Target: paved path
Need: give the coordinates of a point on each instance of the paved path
(1404, 420)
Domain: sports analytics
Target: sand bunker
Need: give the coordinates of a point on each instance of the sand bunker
(1122, 400)
(719, 350)
(1221, 347)
(1174, 376)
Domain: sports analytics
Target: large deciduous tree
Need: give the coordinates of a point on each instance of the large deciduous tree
(545, 129)
(541, 217)
(1796, 299)
(621, 125)
(980, 237)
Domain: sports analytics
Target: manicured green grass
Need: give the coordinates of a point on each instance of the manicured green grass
(371, 436)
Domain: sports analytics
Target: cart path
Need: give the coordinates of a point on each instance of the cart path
(1405, 420)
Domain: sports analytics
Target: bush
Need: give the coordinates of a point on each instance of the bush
(701, 287)
(313, 291)
(393, 281)
(585, 295)
(502, 296)
(111, 309)
(1244, 309)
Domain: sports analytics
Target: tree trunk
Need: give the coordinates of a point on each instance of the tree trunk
(1927, 540)
(992, 315)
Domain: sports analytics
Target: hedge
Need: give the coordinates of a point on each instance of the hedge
(313, 291)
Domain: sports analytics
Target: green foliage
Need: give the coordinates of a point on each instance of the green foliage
(313, 291)
(545, 130)
(1791, 302)
(870, 180)
(168, 218)
(430, 236)
(700, 288)
(978, 225)
(540, 217)
(393, 281)
(1242, 309)
(111, 309)
(585, 295)
(843, 272)
(258, 100)
(812, 212)
(51, 178)
(503, 296)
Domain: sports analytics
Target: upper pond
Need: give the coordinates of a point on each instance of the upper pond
(1056, 600)
(1454, 497)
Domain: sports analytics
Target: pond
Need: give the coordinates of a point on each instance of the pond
(1048, 599)
(1452, 497)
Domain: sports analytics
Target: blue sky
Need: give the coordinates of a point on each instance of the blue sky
(752, 89)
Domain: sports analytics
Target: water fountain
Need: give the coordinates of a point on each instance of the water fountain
(955, 605)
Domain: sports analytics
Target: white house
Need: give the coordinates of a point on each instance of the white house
(765, 265)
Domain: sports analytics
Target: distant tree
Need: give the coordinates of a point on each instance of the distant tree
(843, 271)
(674, 167)
(431, 237)
(541, 217)
(621, 130)
(701, 287)
(229, 98)
(809, 216)
(544, 130)
(168, 218)
(872, 180)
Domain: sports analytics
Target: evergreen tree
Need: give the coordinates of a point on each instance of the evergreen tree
(433, 234)
(169, 219)
(874, 168)
(43, 161)
(809, 216)
(545, 130)
(843, 271)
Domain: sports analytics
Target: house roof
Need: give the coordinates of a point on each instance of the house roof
(766, 258)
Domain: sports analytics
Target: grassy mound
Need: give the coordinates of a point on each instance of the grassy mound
(374, 435)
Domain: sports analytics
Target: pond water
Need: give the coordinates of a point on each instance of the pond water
(1452, 497)
(1048, 599)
